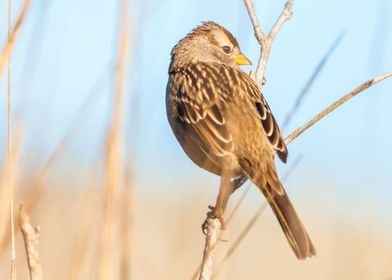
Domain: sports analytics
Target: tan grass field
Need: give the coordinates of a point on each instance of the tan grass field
(167, 240)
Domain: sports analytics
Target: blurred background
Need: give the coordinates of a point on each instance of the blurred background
(99, 170)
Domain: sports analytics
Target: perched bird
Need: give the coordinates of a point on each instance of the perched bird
(224, 124)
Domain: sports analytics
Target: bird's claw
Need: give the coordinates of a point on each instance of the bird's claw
(213, 214)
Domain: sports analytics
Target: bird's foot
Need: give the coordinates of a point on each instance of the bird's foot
(215, 213)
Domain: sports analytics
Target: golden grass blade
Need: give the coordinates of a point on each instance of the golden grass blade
(12, 36)
(36, 191)
(127, 227)
(107, 254)
(31, 240)
(10, 160)
(83, 235)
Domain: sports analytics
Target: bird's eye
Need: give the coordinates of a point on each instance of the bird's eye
(226, 49)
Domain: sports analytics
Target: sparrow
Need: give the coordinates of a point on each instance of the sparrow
(225, 126)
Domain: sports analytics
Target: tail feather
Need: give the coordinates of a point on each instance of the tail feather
(292, 226)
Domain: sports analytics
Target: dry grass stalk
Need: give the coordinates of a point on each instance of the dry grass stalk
(38, 182)
(37, 190)
(10, 161)
(81, 245)
(238, 204)
(12, 36)
(311, 80)
(126, 228)
(31, 240)
(107, 256)
(336, 104)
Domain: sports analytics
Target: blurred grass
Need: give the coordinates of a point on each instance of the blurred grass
(167, 240)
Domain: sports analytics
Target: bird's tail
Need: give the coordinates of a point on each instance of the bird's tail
(292, 226)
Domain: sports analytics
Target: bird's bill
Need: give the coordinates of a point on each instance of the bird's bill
(242, 60)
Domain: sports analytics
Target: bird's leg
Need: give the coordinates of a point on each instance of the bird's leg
(226, 188)
(238, 181)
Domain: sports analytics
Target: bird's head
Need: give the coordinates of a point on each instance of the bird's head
(209, 43)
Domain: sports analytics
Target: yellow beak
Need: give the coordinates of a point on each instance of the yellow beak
(242, 60)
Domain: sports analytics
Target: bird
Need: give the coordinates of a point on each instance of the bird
(225, 126)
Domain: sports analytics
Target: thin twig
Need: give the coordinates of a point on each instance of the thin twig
(31, 241)
(212, 238)
(12, 37)
(311, 80)
(266, 41)
(336, 104)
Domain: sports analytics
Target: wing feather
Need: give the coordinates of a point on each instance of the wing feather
(268, 121)
(197, 105)
(198, 100)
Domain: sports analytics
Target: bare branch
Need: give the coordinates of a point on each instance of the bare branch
(212, 237)
(335, 105)
(259, 34)
(284, 16)
(266, 41)
(31, 241)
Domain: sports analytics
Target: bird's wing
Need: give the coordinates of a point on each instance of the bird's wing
(197, 108)
(202, 87)
(268, 121)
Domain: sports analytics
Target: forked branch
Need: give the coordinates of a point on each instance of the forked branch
(266, 41)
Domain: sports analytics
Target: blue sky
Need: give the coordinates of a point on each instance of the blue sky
(65, 47)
